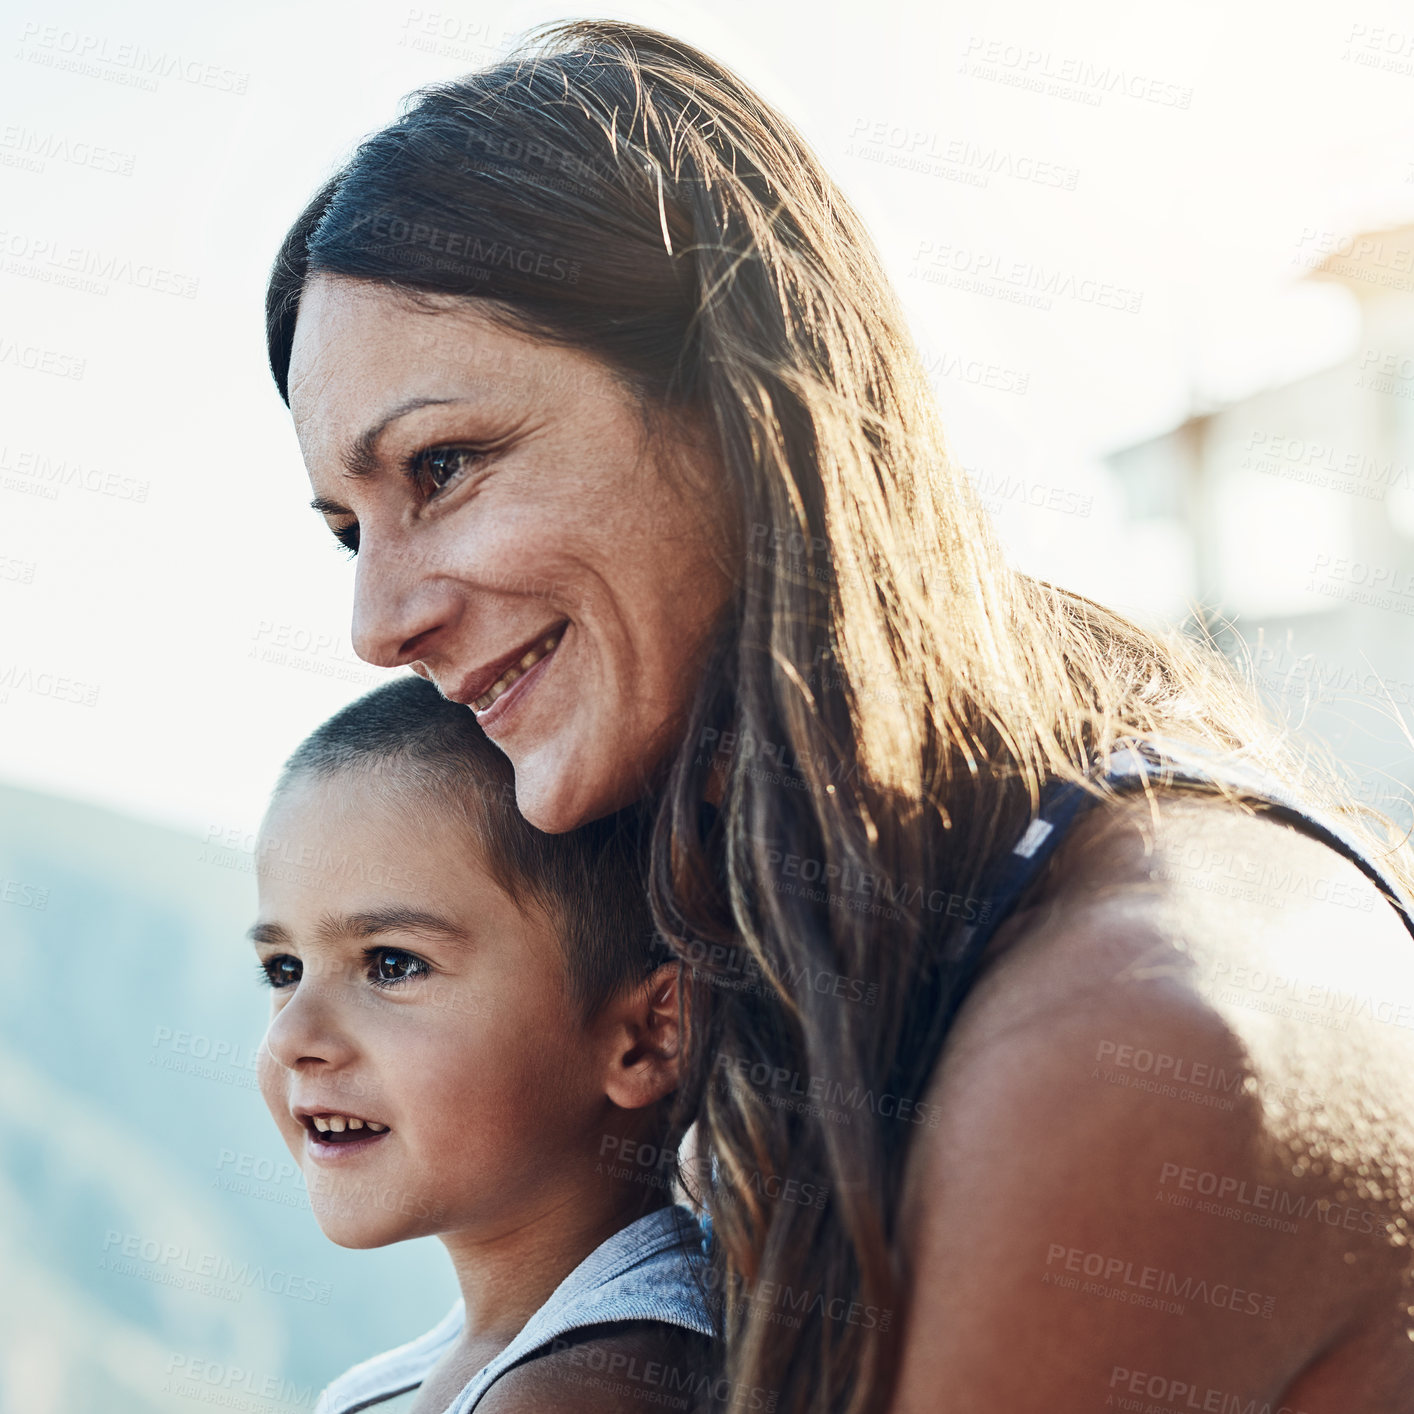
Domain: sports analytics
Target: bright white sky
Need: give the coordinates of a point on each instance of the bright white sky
(164, 605)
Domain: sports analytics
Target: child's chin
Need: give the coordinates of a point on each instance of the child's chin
(360, 1231)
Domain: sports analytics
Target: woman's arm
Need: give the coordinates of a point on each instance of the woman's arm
(1152, 1182)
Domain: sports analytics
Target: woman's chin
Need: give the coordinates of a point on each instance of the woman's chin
(553, 807)
(555, 794)
(579, 774)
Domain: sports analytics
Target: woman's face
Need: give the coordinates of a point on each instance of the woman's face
(521, 540)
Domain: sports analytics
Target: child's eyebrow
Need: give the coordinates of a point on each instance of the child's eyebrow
(395, 919)
(366, 924)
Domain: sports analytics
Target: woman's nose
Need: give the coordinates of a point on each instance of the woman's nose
(400, 605)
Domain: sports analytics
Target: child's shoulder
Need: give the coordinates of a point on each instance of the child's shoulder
(622, 1366)
(631, 1322)
(393, 1372)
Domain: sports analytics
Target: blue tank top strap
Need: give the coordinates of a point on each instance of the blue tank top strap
(1188, 763)
(1130, 765)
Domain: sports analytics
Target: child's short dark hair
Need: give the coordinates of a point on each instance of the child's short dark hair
(591, 881)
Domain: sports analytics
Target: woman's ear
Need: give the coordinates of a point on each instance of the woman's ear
(645, 1025)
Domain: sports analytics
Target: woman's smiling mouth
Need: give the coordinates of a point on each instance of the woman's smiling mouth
(498, 689)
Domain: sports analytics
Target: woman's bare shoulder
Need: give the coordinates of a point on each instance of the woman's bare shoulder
(1173, 1134)
(1262, 921)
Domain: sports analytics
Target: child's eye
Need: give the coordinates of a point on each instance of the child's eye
(280, 971)
(389, 966)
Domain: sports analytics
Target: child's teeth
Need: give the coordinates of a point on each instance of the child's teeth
(338, 1124)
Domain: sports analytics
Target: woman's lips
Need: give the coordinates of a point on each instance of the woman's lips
(542, 647)
(520, 687)
(474, 686)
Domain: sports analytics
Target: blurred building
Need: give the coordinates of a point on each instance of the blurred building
(1297, 507)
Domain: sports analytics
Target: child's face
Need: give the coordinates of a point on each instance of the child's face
(410, 993)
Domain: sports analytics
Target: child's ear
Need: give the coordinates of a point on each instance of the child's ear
(646, 1028)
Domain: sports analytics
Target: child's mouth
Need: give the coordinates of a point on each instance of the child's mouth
(342, 1129)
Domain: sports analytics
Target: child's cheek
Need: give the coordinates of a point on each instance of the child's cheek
(271, 1075)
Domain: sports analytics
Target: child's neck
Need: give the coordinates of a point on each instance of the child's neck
(505, 1279)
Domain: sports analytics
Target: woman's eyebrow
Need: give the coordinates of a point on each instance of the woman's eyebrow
(360, 459)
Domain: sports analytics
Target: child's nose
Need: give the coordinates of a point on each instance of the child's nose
(307, 1031)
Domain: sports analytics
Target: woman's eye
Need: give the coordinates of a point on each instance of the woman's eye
(387, 966)
(347, 537)
(436, 468)
(280, 971)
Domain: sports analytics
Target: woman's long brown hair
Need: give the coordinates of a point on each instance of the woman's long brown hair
(888, 693)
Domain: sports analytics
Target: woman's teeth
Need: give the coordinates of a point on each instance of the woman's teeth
(502, 683)
(338, 1124)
